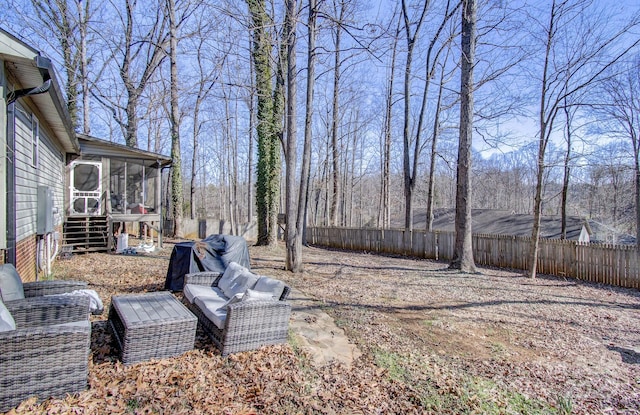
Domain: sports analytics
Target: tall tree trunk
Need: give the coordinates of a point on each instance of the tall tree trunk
(252, 118)
(265, 124)
(335, 156)
(305, 172)
(233, 187)
(83, 20)
(131, 138)
(351, 188)
(409, 175)
(153, 45)
(463, 249)
(543, 132)
(230, 170)
(384, 216)
(567, 171)
(131, 129)
(236, 205)
(66, 38)
(434, 153)
(636, 153)
(194, 157)
(176, 178)
(208, 78)
(293, 233)
(276, 204)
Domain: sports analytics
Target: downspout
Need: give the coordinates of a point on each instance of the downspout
(11, 189)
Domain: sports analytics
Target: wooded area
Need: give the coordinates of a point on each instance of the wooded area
(377, 88)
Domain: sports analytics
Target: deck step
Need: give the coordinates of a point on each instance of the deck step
(87, 234)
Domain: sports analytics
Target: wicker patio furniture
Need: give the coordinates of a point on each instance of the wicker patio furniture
(47, 354)
(12, 288)
(234, 324)
(151, 326)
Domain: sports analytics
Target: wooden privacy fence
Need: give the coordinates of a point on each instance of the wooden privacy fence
(617, 265)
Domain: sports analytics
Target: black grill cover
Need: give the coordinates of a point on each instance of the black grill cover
(210, 254)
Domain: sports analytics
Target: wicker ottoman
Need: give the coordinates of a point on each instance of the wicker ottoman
(151, 325)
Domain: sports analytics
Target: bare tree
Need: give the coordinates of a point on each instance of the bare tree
(269, 127)
(620, 113)
(209, 72)
(84, 14)
(435, 135)
(64, 24)
(339, 10)
(566, 72)
(292, 237)
(176, 177)
(305, 172)
(252, 121)
(409, 168)
(138, 61)
(463, 249)
(433, 61)
(569, 116)
(384, 216)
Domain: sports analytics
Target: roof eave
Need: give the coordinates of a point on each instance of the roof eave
(162, 160)
(30, 68)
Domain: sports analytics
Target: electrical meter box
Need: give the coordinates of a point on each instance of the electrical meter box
(46, 211)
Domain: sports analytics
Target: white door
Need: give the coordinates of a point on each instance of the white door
(86, 187)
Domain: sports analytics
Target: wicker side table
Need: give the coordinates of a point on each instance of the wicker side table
(151, 325)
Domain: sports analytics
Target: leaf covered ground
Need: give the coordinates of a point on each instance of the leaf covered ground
(433, 341)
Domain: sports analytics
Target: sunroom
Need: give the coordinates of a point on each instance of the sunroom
(113, 189)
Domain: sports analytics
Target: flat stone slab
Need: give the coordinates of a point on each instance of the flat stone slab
(318, 333)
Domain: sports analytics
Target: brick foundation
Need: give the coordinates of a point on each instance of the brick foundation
(26, 258)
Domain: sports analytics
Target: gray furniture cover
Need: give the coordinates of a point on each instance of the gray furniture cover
(211, 254)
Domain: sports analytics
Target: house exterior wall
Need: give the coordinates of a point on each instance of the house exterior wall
(25, 176)
(27, 163)
(36, 165)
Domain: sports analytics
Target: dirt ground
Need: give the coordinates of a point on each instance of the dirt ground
(433, 341)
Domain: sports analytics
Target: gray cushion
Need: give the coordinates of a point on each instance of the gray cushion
(270, 285)
(230, 274)
(241, 283)
(10, 283)
(211, 308)
(235, 299)
(252, 295)
(193, 291)
(7, 323)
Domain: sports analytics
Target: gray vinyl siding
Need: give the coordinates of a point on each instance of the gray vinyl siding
(48, 172)
(51, 171)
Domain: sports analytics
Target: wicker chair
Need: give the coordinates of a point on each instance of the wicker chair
(248, 325)
(47, 355)
(35, 289)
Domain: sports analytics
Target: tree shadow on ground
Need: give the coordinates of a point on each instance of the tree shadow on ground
(628, 356)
